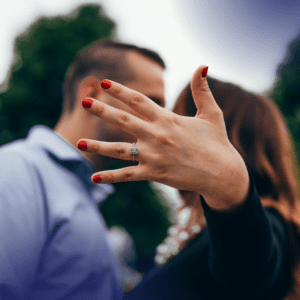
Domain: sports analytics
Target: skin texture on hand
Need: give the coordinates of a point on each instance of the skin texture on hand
(187, 153)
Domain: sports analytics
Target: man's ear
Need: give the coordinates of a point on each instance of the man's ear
(90, 87)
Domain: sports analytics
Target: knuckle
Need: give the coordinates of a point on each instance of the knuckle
(221, 114)
(97, 147)
(217, 114)
(120, 151)
(128, 177)
(177, 120)
(162, 175)
(110, 178)
(204, 87)
(117, 89)
(136, 99)
(171, 119)
(122, 119)
(162, 139)
(99, 110)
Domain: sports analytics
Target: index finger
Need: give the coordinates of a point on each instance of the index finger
(137, 101)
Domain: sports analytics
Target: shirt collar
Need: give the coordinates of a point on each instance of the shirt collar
(55, 144)
(64, 151)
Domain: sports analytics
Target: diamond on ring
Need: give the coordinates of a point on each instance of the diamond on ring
(134, 151)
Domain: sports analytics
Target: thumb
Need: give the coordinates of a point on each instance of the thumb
(203, 98)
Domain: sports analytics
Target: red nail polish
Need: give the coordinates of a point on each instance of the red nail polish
(97, 178)
(87, 103)
(204, 72)
(105, 84)
(82, 145)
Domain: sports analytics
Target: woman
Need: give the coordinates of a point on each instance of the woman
(243, 254)
(258, 131)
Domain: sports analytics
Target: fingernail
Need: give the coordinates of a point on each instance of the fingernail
(105, 84)
(204, 72)
(82, 145)
(96, 178)
(87, 103)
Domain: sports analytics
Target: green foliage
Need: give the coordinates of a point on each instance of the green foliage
(44, 52)
(34, 96)
(138, 208)
(286, 90)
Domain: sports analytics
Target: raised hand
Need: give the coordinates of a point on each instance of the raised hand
(187, 153)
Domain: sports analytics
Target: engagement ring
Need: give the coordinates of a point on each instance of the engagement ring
(134, 151)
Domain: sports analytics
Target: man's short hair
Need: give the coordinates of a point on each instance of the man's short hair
(102, 59)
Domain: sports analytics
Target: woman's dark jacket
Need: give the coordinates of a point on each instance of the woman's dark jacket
(240, 255)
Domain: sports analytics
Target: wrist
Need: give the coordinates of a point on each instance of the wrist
(231, 188)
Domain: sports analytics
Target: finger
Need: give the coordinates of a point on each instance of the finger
(137, 101)
(116, 150)
(203, 98)
(121, 175)
(117, 117)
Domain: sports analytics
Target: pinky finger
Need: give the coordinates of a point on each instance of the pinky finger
(121, 175)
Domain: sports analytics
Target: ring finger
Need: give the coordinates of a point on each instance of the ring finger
(116, 150)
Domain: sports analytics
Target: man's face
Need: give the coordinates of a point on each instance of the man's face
(148, 81)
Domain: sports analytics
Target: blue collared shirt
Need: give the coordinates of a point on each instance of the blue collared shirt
(53, 242)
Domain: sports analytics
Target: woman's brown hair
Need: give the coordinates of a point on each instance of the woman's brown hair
(257, 129)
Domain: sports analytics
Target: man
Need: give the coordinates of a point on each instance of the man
(53, 239)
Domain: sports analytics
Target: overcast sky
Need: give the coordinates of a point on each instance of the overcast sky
(240, 41)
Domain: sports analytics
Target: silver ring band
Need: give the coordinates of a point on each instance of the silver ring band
(134, 151)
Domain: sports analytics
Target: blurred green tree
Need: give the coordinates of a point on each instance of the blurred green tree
(286, 90)
(34, 96)
(42, 54)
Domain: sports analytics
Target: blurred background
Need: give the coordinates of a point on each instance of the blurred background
(252, 43)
